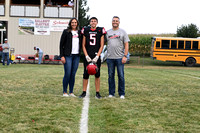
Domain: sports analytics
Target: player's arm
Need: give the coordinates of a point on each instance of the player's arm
(84, 50)
(101, 46)
(125, 52)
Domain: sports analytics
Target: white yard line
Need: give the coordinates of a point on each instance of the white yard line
(84, 115)
(190, 76)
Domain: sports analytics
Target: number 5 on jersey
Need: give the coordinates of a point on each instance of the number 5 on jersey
(92, 37)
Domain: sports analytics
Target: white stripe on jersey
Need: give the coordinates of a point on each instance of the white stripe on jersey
(103, 31)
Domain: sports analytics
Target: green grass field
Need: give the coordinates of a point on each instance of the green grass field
(160, 97)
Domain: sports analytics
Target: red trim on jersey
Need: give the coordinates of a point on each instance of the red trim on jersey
(104, 31)
(82, 31)
(92, 29)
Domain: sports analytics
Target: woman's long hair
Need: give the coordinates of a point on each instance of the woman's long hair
(69, 28)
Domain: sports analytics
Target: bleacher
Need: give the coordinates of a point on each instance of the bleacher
(21, 58)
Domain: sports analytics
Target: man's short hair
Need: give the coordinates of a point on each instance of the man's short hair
(94, 18)
(116, 17)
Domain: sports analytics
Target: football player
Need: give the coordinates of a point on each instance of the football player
(93, 42)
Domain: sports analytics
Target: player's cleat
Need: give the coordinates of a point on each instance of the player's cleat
(98, 96)
(122, 97)
(82, 95)
(65, 95)
(72, 95)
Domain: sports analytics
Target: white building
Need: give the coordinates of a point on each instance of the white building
(32, 23)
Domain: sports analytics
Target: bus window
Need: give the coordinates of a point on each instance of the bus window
(173, 44)
(157, 44)
(180, 44)
(195, 45)
(188, 45)
(165, 44)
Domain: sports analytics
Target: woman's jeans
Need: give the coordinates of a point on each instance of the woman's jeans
(111, 73)
(70, 68)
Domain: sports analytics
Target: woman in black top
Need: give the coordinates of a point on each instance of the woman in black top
(70, 49)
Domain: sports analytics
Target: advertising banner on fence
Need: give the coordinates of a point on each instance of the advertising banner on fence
(58, 25)
(42, 27)
(26, 26)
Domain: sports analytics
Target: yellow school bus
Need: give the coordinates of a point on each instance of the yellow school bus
(185, 50)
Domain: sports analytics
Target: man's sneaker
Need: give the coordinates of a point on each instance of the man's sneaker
(82, 95)
(72, 95)
(98, 96)
(122, 97)
(65, 95)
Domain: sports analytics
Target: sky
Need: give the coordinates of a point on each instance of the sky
(146, 16)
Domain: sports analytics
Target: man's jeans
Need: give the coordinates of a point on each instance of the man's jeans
(111, 73)
(40, 58)
(1, 58)
(7, 56)
(70, 67)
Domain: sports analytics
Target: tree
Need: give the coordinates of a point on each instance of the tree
(190, 30)
(82, 17)
(2, 24)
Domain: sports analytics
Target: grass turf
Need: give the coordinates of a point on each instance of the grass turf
(159, 98)
(31, 100)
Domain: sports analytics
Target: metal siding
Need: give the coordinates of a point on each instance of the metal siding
(24, 44)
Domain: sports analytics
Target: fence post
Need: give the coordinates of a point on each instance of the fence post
(143, 60)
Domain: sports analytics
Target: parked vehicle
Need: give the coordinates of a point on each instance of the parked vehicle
(104, 54)
(185, 50)
(128, 58)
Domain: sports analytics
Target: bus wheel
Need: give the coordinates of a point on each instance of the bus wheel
(190, 62)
